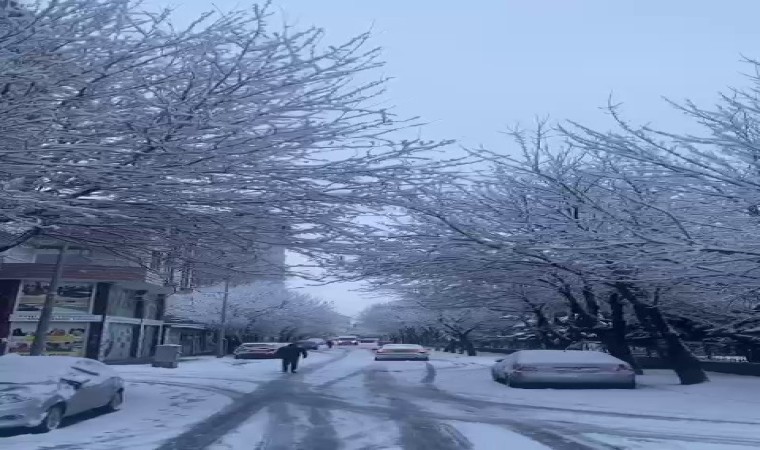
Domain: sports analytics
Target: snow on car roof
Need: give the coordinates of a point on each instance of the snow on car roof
(34, 369)
(401, 346)
(564, 356)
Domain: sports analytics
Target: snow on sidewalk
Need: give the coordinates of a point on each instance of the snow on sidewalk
(726, 397)
(159, 404)
(242, 375)
(150, 415)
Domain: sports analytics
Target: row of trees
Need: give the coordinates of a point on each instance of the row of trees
(634, 237)
(263, 311)
(208, 143)
(121, 129)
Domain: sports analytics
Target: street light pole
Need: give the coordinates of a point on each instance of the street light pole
(220, 351)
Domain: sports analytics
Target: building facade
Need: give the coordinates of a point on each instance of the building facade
(106, 307)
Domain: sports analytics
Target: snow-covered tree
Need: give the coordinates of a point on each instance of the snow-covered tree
(264, 310)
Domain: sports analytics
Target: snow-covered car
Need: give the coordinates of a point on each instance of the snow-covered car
(571, 368)
(39, 391)
(402, 352)
(370, 343)
(257, 350)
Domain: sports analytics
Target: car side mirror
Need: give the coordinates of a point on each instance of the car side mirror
(500, 360)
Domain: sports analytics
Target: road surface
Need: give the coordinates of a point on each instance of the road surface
(355, 403)
(344, 400)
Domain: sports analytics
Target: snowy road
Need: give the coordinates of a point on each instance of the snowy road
(345, 400)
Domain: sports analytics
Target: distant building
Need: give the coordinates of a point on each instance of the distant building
(108, 307)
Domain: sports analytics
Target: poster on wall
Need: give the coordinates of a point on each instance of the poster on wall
(71, 298)
(64, 338)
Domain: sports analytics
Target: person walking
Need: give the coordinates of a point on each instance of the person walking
(290, 355)
(329, 344)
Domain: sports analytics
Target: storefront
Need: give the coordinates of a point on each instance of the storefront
(71, 320)
(195, 339)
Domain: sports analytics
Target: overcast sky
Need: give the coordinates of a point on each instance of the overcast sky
(471, 69)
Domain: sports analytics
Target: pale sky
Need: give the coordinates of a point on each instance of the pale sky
(471, 69)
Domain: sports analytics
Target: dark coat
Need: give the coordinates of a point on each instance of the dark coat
(291, 351)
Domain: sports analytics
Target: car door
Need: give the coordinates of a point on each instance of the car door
(74, 391)
(94, 391)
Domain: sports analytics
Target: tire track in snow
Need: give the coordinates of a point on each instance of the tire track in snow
(419, 431)
(213, 428)
(322, 434)
(280, 429)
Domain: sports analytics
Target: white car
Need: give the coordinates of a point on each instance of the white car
(39, 391)
(402, 352)
(568, 368)
(370, 343)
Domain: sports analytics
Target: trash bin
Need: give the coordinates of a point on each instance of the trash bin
(167, 356)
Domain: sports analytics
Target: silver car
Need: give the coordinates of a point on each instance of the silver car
(401, 352)
(563, 368)
(39, 391)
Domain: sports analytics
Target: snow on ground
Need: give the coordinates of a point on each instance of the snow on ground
(661, 414)
(150, 415)
(242, 375)
(657, 444)
(361, 432)
(658, 394)
(486, 437)
(160, 404)
(249, 435)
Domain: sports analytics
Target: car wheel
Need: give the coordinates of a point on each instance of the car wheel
(631, 385)
(376, 359)
(52, 419)
(237, 357)
(115, 403)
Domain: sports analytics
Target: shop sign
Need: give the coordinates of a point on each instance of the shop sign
(33, 317)
(70, 298)
(64, 338)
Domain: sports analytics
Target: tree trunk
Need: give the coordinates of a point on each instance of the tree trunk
(677, 355)
(46, 315)
(615, 338)
(466, 345)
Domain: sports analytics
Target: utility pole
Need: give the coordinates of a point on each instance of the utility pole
(43, 324)
(220, 350)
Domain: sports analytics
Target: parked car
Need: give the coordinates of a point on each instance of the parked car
(40, 391)
(257, 350)
(557, 368)
(370, 343)
(308, 345)
(318, 341)
(591, 346)
(402, 352)
(347, 340)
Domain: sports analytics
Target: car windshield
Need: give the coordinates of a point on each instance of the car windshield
(197, 196)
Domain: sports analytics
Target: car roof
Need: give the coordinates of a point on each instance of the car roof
(402, 345)
(35, 369)
(564, 356)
